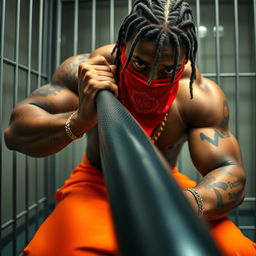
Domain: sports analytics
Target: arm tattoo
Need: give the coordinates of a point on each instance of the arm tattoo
(234, 184)
(219, 198)
(50, 89)
(209, 182)
(225, 120)
(71, 72)
(214, 141)
(234, 195)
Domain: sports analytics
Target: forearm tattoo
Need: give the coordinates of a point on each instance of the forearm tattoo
(218, 186)
(50, 89)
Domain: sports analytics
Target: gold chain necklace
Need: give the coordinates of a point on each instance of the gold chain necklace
(159, 129)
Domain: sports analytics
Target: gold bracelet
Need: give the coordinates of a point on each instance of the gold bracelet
(198, 198)
(70, 134)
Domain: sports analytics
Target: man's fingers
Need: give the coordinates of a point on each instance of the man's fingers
(98, 60)
(108, 85)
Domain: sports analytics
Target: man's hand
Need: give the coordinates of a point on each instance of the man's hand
(94, 75)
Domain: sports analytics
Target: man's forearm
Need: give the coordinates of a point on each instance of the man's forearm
(38, 133)
(222, 190)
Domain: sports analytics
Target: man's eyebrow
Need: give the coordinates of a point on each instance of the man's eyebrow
(172, 66)
(139, 59)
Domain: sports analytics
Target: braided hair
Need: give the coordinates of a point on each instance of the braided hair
(166, 22)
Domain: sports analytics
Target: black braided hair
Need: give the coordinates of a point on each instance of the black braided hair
(165, 22)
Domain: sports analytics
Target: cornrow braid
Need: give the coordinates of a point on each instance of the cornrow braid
(164, 22)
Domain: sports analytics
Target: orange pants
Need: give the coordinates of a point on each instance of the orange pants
(81, 223)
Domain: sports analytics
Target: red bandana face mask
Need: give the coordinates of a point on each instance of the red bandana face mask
(148, 103)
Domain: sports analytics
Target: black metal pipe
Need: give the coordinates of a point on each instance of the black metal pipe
(151, 215)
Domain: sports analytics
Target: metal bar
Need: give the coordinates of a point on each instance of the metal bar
(14, 154)
(112, 18)
(237, 89)
(75, 46)
(93, 42)
(40, 35)
(28, 89)
(250, 199)
(56, 157)
(1, 103)
(23, 67)
(217, 40)
(21, 214)
(129, 6)
(247, 227)
(198, 23)
(58, 46)
(229, 74)
(237, 84)
(50, 38)
(254, 21)
(76, 13)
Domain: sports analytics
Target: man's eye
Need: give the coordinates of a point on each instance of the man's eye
(139, 65)
(169, 70)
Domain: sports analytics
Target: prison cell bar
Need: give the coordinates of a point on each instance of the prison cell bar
(75, 47)
(254, 22)
(93, 41)
(217, 40)
(1, 104)
(237, 87)
(151, 215)
(14, 153)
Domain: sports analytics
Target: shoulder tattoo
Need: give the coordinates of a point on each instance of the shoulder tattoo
(70, 71)
(49, 89)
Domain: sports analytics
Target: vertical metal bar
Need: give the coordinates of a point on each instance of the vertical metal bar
(58, 59)
(254, 12)
(217, 41)
(76, 8)
(1, 104)
(50, 39)
(28, 89)
(76, 26)
(93, 42)
(59, 18)
(14, 159)
(112, 17)
(254, 15)
(237, 85)
(40, 37)
(198, 23)
(129, 6)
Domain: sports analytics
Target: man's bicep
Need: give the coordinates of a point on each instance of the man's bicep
(53, 98)
(211, 148)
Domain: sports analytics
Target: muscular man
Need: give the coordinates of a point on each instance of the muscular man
(151, 70)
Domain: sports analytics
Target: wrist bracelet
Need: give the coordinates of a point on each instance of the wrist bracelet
(70, 134)
(198, 198)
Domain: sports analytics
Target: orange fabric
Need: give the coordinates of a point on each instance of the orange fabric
(81, 223)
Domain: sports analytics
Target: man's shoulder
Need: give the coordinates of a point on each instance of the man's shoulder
(208, 106)
(66, 74)
(105, 51)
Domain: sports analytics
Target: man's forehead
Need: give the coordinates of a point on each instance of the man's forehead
(146, 50)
